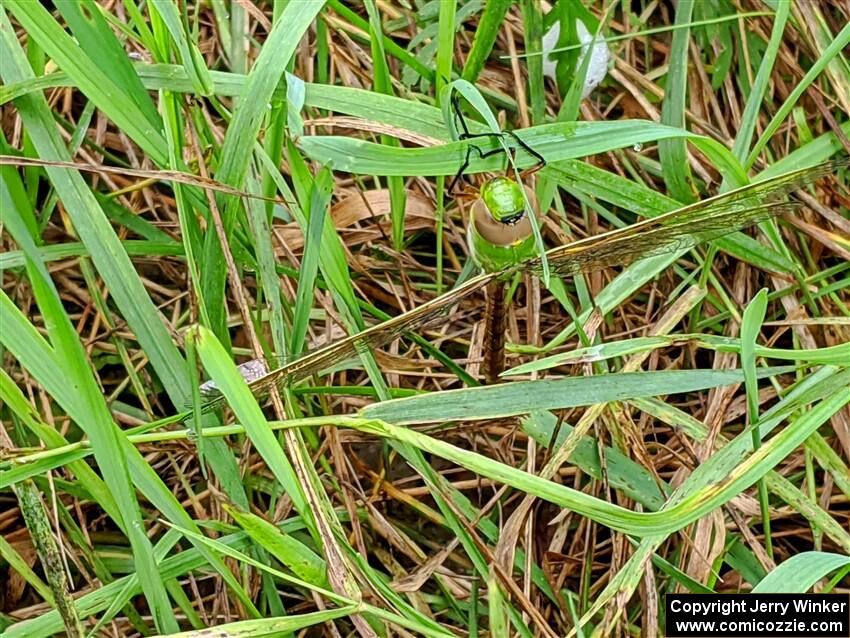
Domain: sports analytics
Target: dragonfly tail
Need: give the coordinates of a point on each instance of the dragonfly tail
(494, 332)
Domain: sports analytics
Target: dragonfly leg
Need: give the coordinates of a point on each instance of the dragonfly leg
(466, 135)
(541, 161)
(460, 174)
(482, 154)
(512, 155)
(459, 118)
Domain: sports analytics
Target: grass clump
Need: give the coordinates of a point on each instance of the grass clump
(191, 186)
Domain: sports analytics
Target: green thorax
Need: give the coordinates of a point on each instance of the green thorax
(503, 198)
(500, 234)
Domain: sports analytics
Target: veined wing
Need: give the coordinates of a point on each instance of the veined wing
(679, 229)
(624, 248)
(375, 337)
(684, 227)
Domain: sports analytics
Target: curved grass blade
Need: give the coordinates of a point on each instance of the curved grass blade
(801, 571)
(555, 142)
(674, 231)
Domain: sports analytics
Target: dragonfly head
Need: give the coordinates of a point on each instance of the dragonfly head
(504, 201)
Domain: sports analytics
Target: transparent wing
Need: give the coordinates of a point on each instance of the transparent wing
(673, 231)
(685, 227)
(622, 250)
(374, 337)
(251, 371)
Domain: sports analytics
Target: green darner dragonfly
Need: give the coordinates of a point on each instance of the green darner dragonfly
(677, 230)
(500, 233)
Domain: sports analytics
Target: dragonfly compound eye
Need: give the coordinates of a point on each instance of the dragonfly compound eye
(504, 200)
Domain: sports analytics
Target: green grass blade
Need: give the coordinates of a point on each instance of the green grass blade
(821, 522)
(96, 233)
(257, 90)
(744, 135)
(319, 201)
(232, 385)
(191, 57)
(241, 136)
(21, 566)
(383, 84)
(555, 142)
(274, 626)
(485, 37)
(36, 355)
(94, 36)
(445, 44)
(800, 572)
(714, 482)
(831, 355)
(621, 472)
(391, 47)
(673, 153)
(88, 408)
(521, 397)
(750, 328)
(297, 557)
(88, 75)
(532, 16)
(835, 48)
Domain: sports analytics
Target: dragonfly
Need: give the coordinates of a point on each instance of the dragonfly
(677, 230)
(500, 232)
